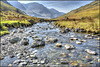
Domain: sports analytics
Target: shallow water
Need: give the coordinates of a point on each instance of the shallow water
(51, 52)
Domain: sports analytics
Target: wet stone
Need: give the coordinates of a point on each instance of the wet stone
(63, 54)
(69, 47)
(14, 40)
(11, 56)
(78, 42)
(90, 51)
(10, 65)
(52, 40)
(1, 58)
(58, 45)
(22, 64)
(63, 61)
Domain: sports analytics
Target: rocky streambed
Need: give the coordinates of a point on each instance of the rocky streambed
(43, 44)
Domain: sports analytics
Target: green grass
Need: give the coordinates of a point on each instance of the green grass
(4, 29)
(86, 25)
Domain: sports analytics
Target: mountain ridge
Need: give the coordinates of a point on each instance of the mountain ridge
(39, 10)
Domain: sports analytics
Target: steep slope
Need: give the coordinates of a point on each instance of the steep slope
(55, 13)
(6, 7)
(85, 17)
(17, 5)
(89, 10)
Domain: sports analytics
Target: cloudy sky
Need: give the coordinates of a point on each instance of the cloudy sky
(62, 6)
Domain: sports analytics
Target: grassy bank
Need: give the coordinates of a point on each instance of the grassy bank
(5, 25)
(82, 24)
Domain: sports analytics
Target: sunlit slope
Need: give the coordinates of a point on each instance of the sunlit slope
(89, 10)
(86, 17)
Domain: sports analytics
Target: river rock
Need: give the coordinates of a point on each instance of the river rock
(35, 51)
(67, 30)
(1, 58)
(77, 30)
(59, 45)
(73, 38)
(34, 36)
(82, 40)
(90, 51)
(64, 61)
(24, 41)
(69, 47)
(37, 44)
(16, 61)
(99, 60)
(38, 39)
(52, 40)
(14, 40)
(20, 31)
(22, 64)
(98, 38)
(11, 56)
(88, 36)
(35, 61)
(78, 42)
(10, 65)
(63, 54)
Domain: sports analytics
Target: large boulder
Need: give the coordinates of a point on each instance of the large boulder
(14, 40)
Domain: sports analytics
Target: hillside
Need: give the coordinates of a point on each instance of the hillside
(85, 17)
(89, 10)
(13, 17)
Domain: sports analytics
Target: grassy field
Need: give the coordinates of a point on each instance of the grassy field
(88, 16)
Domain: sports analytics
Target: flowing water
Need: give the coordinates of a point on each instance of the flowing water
(52, 53)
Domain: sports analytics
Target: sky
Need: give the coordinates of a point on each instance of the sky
(62, 6)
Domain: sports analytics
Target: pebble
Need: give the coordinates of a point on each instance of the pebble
(99, 60)
(69, 47)
(90, 51)
(10, 65)
(58, 45)
(11, 56)
(78, 42)
(63, 54)
(98, 38)
(22, 64)
(63, 61)
(74, 38)
(16, 61)
(1, 58)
